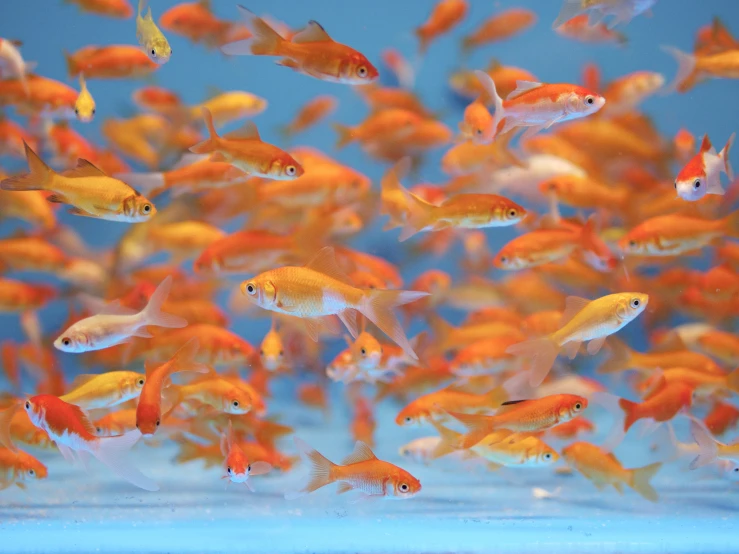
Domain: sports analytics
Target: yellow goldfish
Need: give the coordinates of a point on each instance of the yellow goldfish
(151, 39)
(92, 392)
(84, 106)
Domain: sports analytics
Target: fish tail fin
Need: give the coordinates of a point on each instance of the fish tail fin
(724, 155)
(630, 413)
(184, 359)
(153, 314)
(390, 188)
(265, 41)
(378, 305)
(620, 357)
(706, 443)
(321, 469)
(488, 86)
(732, 380)
(142, 5)
(441, 330)
(110, 451)
(345, 135)
(732, 223)
(38, 178)
(417, 216)
(591, 76)
(570, 9)
(685, 69)
(640, 481)
(211, 143)
(449, 441)
(543, 352)
(72, 68)
(149, 184)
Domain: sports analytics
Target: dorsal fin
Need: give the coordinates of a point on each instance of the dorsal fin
(80, 380)
(521, 87)
(84, 169)
(361, 453)
(248, 131)
(706, 144)
(511, 402)
(314, 32)
(84, 418)
(573, 305)
(325, 262)
(507, 406)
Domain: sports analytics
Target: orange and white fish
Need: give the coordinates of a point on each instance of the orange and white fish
(538, 106)
(435, 404)
(702, 174)
(311, 52)
(583, 320)
(116, 324)
(321, 289)
(579, 28)
(621, 11)
(238, 467)
(361, 471)
(90, 191)
(250, 153)
(445, 15)
(603, 468)
(70, 428)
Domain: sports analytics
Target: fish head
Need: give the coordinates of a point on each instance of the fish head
(571, 407)
(630, 305)
(139, 209)
(582, 102)
(73, 341)
(285, 168)
(508, 260)
(237, 468)
(32, 468)
(507, 211)
(367, 351)
(159, 51)
(148, 418)
(261, 290)
(236, 402)
(404, 485)
(272, 351)
(84, 111)
(409, 415)
(691, 186)
(356, 69)
(546, 454)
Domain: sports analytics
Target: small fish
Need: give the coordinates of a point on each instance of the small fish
(238, 467)
(227, 107)
(445, 15)
(18, 466)
(310, 114)
(86, 188)
(119, 9)
(702, 174)
(84, 107)
(116, 324)
(93, 392)
(361, 470)
(13, 65)
(500, 26)
(604, 469)
(583, 320)
(311, 52)
(621, 11)
(667, 400)
(150, 38)
(217, 392)
(249, 153)
(579, 28)
(272, 349)
(693, 69)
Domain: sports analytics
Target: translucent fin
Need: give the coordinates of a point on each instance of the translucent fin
(260, 468)
(686, 67)
(707, 444)
(325, 262)
(595, 345)
(320, 469)
(542, 352)
(314, 32)
(573, 306)
(110, 451)
(361, 453)
(640, 481)
(153, 314)
(631, 415)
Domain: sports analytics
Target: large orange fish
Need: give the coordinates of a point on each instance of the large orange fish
(110, 62)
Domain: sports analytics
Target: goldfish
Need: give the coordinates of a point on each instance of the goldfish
(272, 350)
(12, 64)
(661, 405)
(69, 427)
(157, 99)
(401, 67)
(702, 174)
(710, 450)
(448, 337)
(379, 127)
(469, 85)
(584, 192)
(110, 62)
(623, 358)
(321, 289)
(694, 69)
(445, 15)
(483, 357)
(150, 38)
(721, 345)
(116, 324)
(38, 94)
(227, 107)
(12, 137)
(149, 407)
(361, 470)
(216, 392)
(500, 26)
(582, 320)
(579, 28)
(626, 93)
(604, 469)
(311, 52)
(17, 466)
(621, 11)
(190, 177)
(448, 399)
(119, 9)
(90, 192)
(195, 21)
(538, 106)
(184, 239)
(721, 418)
(571, 429)
(84, 106)
(675, 234)
(249, 154)
(92, 392)
(31, 254)
(363, 423)
(310, 114)
(17, 296)
(238, 467)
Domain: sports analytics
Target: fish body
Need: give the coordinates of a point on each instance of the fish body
(445, 15)
(93, 392)
(151, 39)
(110, 62)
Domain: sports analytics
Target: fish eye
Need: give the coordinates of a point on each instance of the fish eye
(503, 259)
(676, 184)
(235, 403)
(362, 71)
(479, 131)
(696, 184)
(28, 405)
(158, 422)
(408, 419)
(290, 170)
(404, 487)
(363, 351)
(513, 212)
(406, 452)
(589, 99)
(736, 470)
(31, 472)
(547, 456)
(98, 430)
(248, 468)
(66, 341)
(76, 111)
(146, 208)
(251, 289)
(632, 243)
(140, 382)
(229, 470)
(93, 111)
(261, 351)
(153, 52)
(282, 352)
(635, 303)
(578, 406)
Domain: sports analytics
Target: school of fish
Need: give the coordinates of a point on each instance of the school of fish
(603, 209)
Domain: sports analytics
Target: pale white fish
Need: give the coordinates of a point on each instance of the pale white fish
(12, 63)
(117, 324)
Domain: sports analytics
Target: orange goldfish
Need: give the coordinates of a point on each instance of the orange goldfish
(38, 94)
(583, 320)
(249, 154)
(500, 26)
(621, 11)
(311, 52)
(361, 470)
(571, 429)
(30, 206)
(110, 62)
(445, 15)
(195, 21)
(184, 239)
(119, 9)
(702, 174)
(310, 114)
(244, 251)
(199, 176)
(584, 192)
(661, 405)
(238, 467)
(692, 69)
(626, 93)
(227, 107)
(623, 358)
(69, 427)
(17, 466)
(321, 289)
(721, 418)
(272, 350)
(157, 99)
(579, 28)
(149, 407)
(382, 126)
(12, 137)
(448, 399)
(721, 345)
(16, 296)
(483, 357)
(467, 84)
(217, 392)
(31, 254)
(604, 469)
